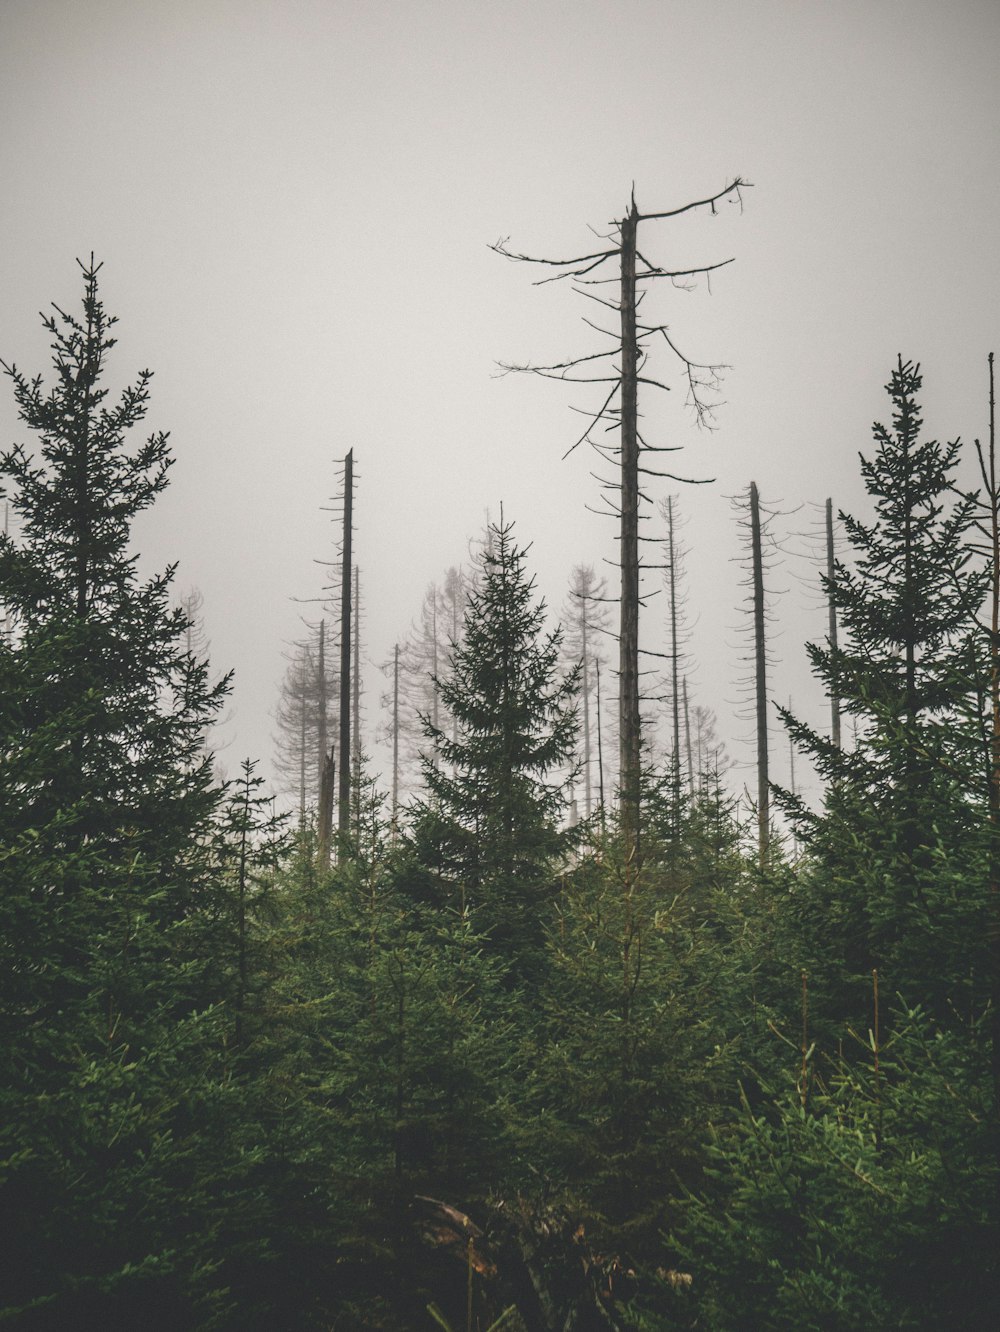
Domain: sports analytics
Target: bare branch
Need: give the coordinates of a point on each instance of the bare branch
(608, 333)
(737, 185)
(568, 365)
(588, 261)
(544, 373)
(594, 419)
(611, 305)
(655, 271)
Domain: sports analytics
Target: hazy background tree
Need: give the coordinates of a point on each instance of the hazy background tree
(587, 643)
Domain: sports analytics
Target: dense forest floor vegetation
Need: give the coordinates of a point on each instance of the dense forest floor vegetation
(484, 1069)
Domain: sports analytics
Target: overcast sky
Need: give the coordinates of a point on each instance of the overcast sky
(293, 203)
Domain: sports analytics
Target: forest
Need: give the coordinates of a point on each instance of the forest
(524, 1034)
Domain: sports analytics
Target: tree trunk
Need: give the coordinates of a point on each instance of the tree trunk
(831, 573)
(344, 790)
(675, 772)
(322, 704)
(629, 743)
(324, 816)
(356, 705)
(994, 783)
(395, 737)
(600, 748)
(760, 681)
(585, 653)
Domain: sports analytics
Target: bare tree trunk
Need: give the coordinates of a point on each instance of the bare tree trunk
(994, 769)
(831, 573)
(675, 772)
(629, 735)
(344, 791)
(585, 655)
(325, 757)
(687, 741)
(395, 737)
(303, 703)
(324, 834)
(241, 883)
(600, 747)
(322, 704)
(356, 704)
(760, 680)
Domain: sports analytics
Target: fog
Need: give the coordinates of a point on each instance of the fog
(294, 204)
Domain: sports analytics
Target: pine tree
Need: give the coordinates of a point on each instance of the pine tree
(106, 819)
(901, 828)
(487, 834)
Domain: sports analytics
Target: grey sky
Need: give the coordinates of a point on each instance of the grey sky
(293, 202)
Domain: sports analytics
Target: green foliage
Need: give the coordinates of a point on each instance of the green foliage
(898, 852)
(857, 1197)
(113, 1088)
(228, 1073)
(487, 836)
(628, 1054)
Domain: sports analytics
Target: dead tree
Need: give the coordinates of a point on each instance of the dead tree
(585, 619)
(831, 598)
(687, 741)
(988, 524)
(335, 758)
(356, 706)
(302, 717)
(677, 656)
(760, 680)
(755, 518)
(344, 775)
(395, 739)
(620, 410)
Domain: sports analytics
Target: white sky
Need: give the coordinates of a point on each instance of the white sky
(293, 203)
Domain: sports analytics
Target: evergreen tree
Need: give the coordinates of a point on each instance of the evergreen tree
(859, 1188)
(487, 835)
(898, 848)
(106, 818)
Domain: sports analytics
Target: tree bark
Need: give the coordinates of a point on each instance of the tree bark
(831, 573)
(395, 737)
(760, 681)
(344, 790)
(630, 740)
(675, 773)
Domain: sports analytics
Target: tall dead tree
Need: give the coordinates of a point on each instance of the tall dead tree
(677, 657)
(687, 741)
(755, 519)
(344, 746)
(760, 680)
(335, 758)
(303, 718)
(585, 621)
(831, 599)
(356, 701)
(989, 525)
(395, 738)
(621, 409)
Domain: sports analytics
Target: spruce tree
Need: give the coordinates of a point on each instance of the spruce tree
(486, 836)
(897, 850)
(106, 813)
